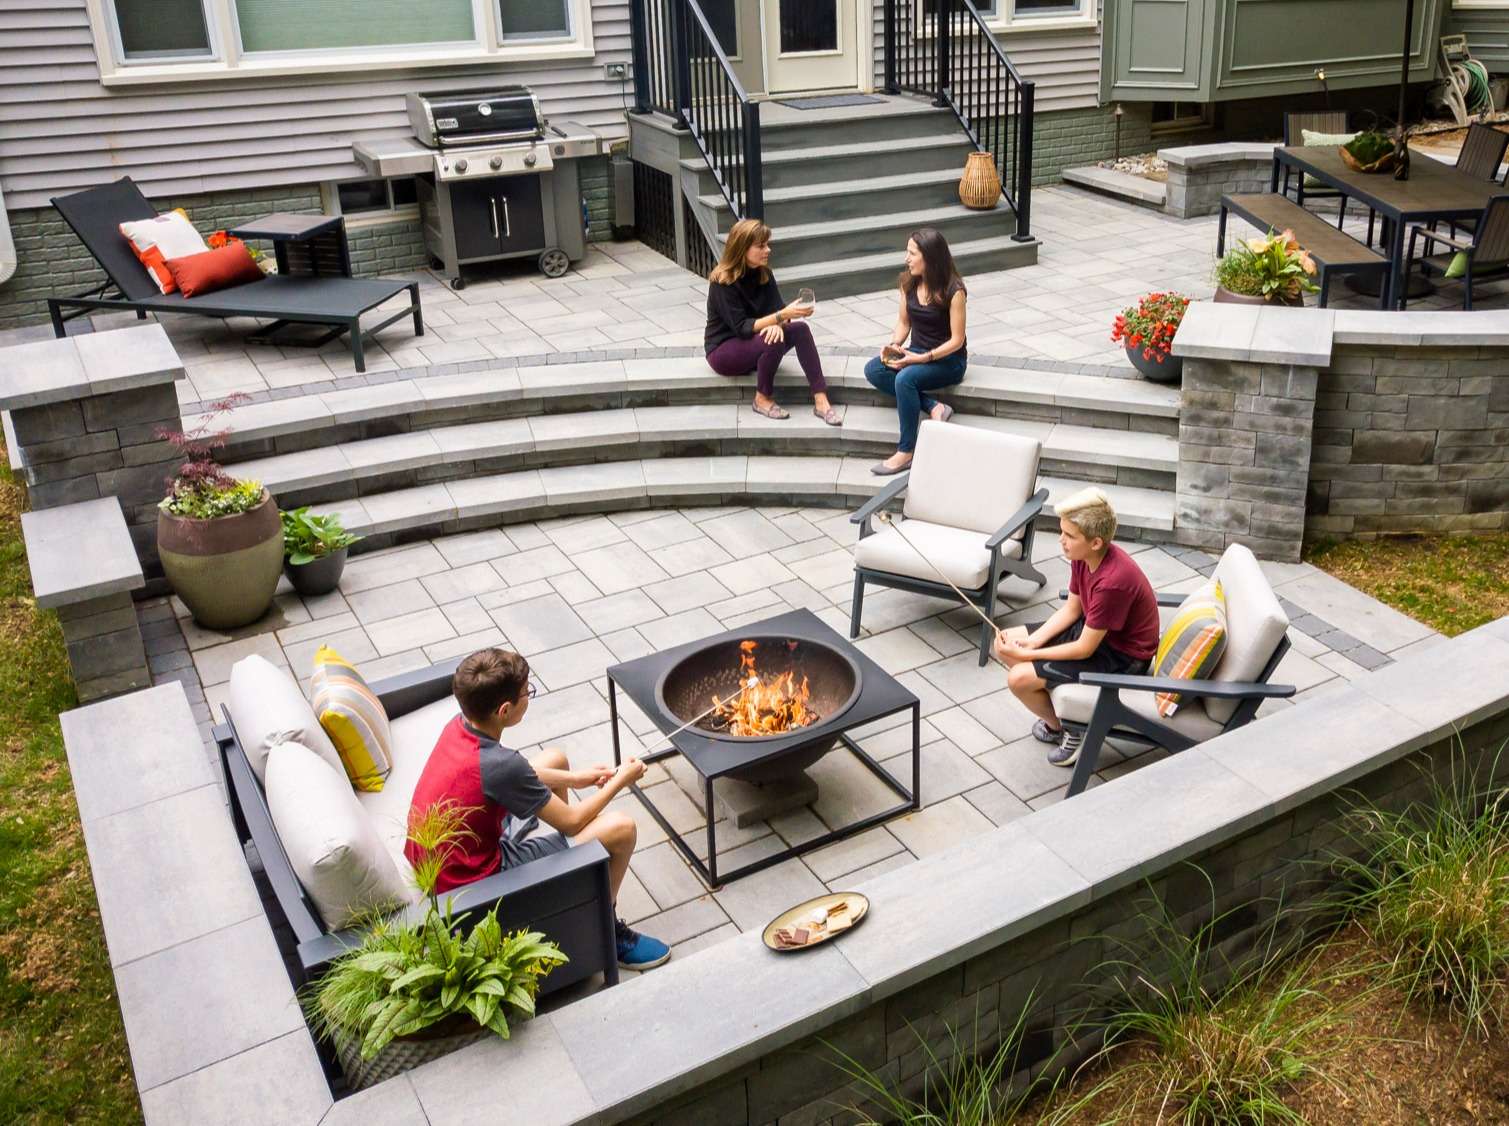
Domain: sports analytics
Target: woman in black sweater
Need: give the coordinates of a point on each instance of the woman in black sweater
(750, 329)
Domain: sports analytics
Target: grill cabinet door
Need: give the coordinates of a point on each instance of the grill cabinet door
(521, 217)
(472, 207)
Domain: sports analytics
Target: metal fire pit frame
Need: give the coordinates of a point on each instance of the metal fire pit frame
(880, 695)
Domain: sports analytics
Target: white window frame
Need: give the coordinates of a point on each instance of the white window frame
(1005, 21)
(229, 61)
(1482, 5)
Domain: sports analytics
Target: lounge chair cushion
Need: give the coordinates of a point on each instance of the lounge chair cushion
(215, 269)
(414, 738)
(1255, 624)
(1194, 641)
(1076, 703)
(329, 839)
(155, 241)
(967, 477)
(267, 708)
(960, 553)
(353, 717)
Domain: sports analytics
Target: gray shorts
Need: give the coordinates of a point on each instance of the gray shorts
(525, 840)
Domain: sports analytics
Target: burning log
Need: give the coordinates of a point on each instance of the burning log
(764, 706)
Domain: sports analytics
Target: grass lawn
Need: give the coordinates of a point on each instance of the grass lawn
(1451, 583)
(62, 1048)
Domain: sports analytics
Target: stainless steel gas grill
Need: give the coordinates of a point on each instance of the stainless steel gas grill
(494, 178)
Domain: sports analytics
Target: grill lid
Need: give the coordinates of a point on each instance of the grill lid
(469, 117)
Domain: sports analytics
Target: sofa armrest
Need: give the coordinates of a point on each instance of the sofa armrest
(409, 691)
(1212, 689)
(880, 499)
(1019, 519)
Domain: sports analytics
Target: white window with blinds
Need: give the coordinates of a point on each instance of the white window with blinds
(156, 40)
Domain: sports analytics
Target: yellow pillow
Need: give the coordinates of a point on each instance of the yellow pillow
(354, 718)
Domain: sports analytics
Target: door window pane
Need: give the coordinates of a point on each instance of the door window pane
(535, 19)
(1046, 7)
(152, 29)
(809, 25)
(301, 25)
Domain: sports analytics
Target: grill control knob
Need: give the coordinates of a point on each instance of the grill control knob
(460, 166)
(530, 159)
(495, 163)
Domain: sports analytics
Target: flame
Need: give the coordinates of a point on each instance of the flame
(764, 706)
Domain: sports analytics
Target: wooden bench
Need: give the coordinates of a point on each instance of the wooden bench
(1334, 251)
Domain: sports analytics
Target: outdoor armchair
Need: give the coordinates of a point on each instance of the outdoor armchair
(1103, 705)
(1485, 248)
(1482, 152)
(969, 512)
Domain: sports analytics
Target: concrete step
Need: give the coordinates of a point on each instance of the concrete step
(802, 243)
(898, 118)
(531, 494)
(843, 277)
(1120, 185)
(848, 199)
(457, 451)
(820, 164)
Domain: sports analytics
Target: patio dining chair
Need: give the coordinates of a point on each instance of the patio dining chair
(969, 511)
(1484, 249)
(1295, 126)
(1482, 152)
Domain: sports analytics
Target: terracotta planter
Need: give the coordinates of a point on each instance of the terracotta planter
(406, 1052)
(320, 576)
(226, 568)
(980, 188)
(1169, 371)
(1226, 297)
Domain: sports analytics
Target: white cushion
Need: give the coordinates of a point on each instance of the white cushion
(965, 477)
(413, 738)
(169, 235)
(330, 841)
(960, 553)
(1076, 702)
(268, 707)
(1255, 624)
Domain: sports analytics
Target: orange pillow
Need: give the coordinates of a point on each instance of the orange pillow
(214, 269)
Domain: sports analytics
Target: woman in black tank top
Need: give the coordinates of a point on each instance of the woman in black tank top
(930, 323)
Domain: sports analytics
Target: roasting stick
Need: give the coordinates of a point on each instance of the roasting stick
(885, 518)
(752, 682)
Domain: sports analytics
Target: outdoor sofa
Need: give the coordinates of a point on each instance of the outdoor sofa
(336, 302)
(567, 896)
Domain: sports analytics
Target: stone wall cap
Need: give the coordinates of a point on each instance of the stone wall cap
(81, 551)
(1216, 332)
(1225, 152)
(1438, 328)
(1267, 334)
(78, 367)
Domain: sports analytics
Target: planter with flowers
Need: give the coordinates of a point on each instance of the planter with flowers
(1148, 330)
(1272, 270)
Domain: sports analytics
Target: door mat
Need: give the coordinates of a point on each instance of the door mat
(827, 101)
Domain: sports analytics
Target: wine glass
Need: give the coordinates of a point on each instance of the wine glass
(808, 298)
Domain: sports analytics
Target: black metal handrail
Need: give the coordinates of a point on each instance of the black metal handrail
(681, 70)
(942, 48)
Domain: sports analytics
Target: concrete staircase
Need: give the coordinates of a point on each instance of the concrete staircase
(445, 453)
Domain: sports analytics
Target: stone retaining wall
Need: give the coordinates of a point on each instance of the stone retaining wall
(1199, 175)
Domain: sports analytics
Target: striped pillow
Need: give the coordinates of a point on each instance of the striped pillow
(1194, 642)
(354, 719)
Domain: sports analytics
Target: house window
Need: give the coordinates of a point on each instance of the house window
(1180, 117)
(1018, 15)
(299, 25)
(369, 198)
(161, 29)
(1036, 9)
(534, 19)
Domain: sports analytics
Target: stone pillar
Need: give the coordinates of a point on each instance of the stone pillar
(105, 648)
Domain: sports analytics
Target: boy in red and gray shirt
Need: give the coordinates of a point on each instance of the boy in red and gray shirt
(1109, 622)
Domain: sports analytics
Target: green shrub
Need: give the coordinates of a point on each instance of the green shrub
(307, 537)
(206, 500)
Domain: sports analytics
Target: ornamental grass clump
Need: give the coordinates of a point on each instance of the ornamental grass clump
(407, 977)
(1274, 267)
(201, 488)
(1432, 893)
(1150, 325)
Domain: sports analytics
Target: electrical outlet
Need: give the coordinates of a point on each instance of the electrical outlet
(616, 71)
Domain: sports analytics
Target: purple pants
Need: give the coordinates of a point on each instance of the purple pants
(738, 356)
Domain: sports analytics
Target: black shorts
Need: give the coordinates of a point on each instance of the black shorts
(1104, 659)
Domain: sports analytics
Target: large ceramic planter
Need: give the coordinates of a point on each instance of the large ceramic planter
(226, 568)
(1169, 371)
(404, 1053)
(319, 576)
(1226, 297)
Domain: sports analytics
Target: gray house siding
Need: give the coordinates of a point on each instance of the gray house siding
(1487, 32)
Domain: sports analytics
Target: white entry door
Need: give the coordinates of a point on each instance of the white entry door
(810, 45)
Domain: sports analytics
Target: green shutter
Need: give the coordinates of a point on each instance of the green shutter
(295, 25)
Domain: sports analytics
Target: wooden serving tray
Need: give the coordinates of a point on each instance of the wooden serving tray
(792, 917)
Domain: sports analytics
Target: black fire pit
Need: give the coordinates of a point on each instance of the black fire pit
(847, 690)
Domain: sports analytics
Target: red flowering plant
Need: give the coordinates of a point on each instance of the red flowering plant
(1151, 324)
(218, 239)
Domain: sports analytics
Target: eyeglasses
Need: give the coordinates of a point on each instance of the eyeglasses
(531, 689)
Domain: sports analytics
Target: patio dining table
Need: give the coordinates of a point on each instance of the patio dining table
(1433, 192)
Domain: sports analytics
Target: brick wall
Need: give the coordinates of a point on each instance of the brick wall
(1070, 138)
(392, 247)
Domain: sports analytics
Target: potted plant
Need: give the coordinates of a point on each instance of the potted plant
(219, 537)
(1272, 270)
(1148, 330)
(1370, 151)
(314, 550)
(414, 991)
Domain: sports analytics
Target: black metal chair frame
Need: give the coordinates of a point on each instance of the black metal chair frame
(1468, 247)
(567, 896)
(1112, 718)
(94, 215)
(985, 597)
(1381, 267)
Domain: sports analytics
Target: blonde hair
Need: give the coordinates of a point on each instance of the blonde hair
(1090, 511)
(732, 266)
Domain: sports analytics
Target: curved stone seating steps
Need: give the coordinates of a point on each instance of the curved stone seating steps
(321, 472)
(531, 494)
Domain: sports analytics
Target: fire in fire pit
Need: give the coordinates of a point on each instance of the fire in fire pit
(767, 705)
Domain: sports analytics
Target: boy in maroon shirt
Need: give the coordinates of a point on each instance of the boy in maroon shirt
(505, 796)
(1109, 622)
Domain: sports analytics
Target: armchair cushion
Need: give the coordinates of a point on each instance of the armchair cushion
(966, 477)
(1076, 703)
(413, 738)
(960, 553)
(1193, 643)
(268, 708)
(1255, 624)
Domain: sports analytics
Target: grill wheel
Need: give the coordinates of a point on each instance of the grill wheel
(553, 263)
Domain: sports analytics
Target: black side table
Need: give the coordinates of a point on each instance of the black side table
(303, 245)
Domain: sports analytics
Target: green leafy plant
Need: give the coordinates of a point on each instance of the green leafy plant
(406, 977)
(308, 536)
(201, 488)
(1274, 267)
(1369, 146)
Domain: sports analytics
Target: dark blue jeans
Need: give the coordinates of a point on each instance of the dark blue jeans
(909, 387)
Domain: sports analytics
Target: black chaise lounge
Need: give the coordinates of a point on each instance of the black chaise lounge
(339, 302)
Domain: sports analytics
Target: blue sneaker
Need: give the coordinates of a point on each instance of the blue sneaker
(639, 951)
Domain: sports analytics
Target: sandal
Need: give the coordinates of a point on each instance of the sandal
(772, 411)
(830, 416)
(948, 413)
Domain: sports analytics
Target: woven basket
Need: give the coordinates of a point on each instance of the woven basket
(980, 186)
(1384, 163)
(403, 1053)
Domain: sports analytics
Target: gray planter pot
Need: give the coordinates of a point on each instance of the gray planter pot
(402, 1054)
(318, 577)
(225, 569)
